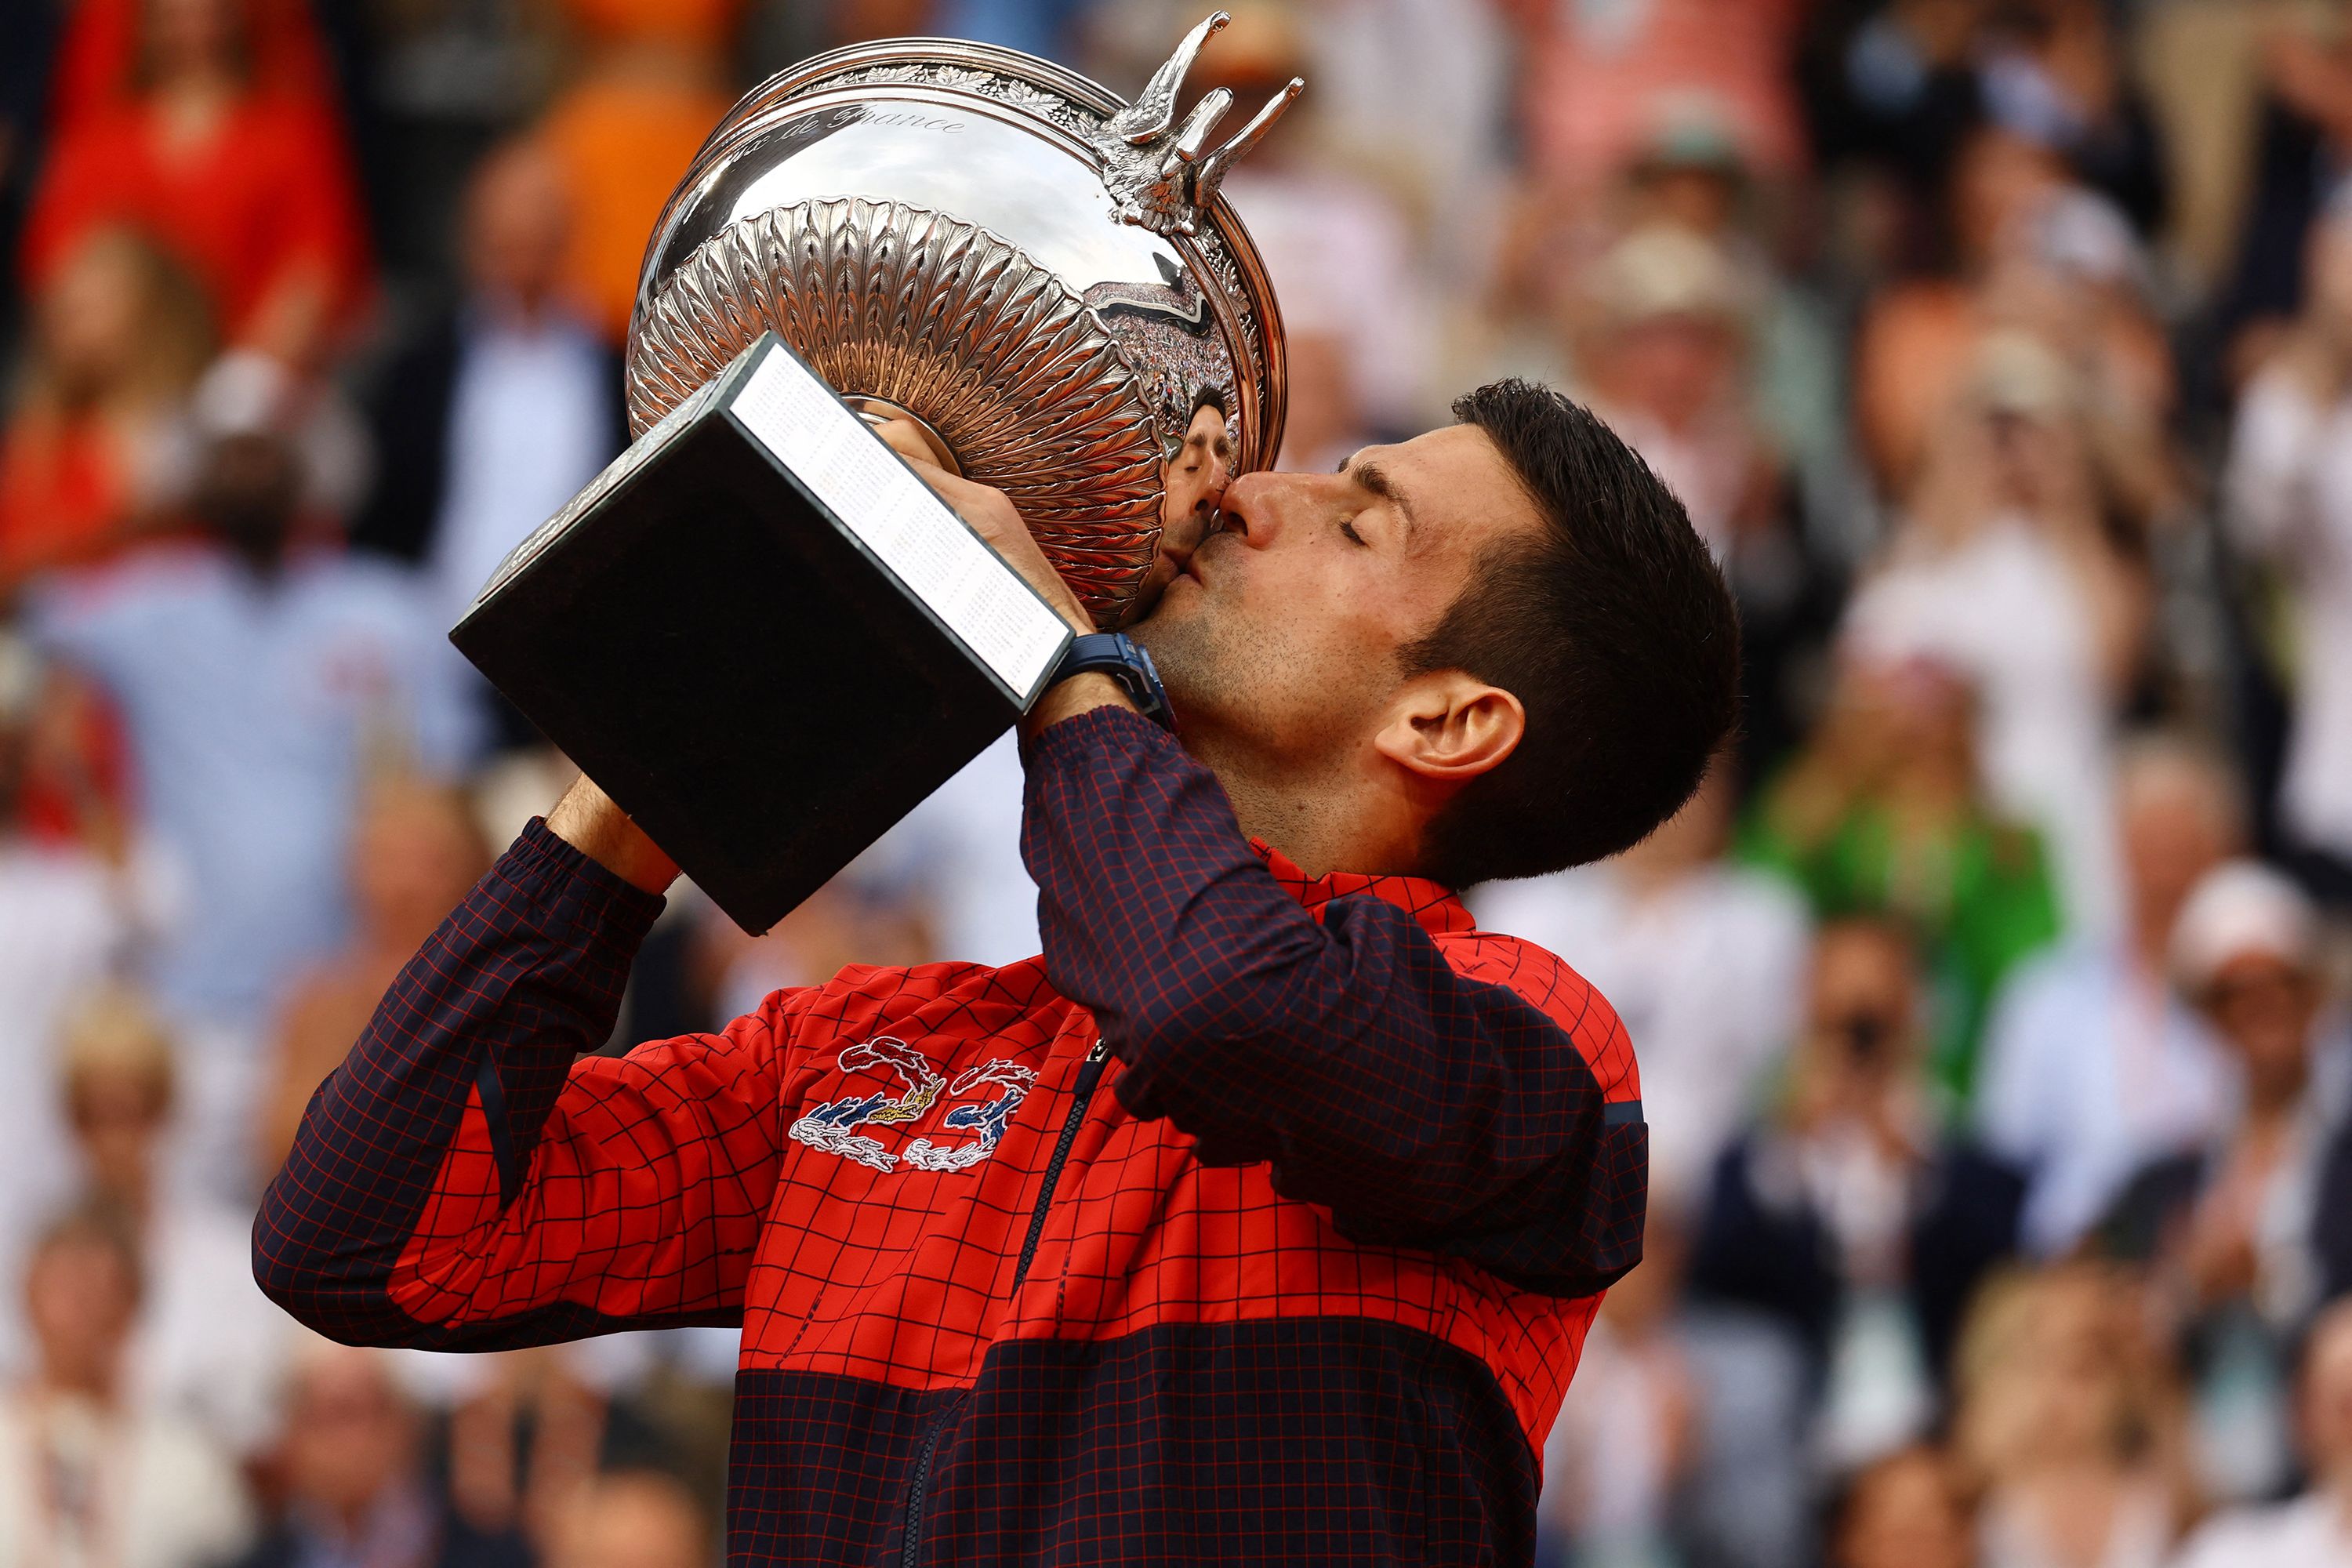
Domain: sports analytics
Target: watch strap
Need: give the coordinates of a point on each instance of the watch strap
(1124, 659)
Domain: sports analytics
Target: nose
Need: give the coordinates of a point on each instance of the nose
(1249, 507)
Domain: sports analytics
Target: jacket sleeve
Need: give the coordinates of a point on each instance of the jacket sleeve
(1421, 1108)
(460, 1183)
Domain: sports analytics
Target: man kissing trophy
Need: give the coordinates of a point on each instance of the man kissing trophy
(1261, 1216)
(1033, 288)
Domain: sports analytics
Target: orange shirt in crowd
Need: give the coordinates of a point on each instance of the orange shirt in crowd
(266, 202)
(623, 139)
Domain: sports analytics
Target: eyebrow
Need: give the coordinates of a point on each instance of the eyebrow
(1371, 477)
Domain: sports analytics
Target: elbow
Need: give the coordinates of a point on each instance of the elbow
(321, 1287)
(290, 1270)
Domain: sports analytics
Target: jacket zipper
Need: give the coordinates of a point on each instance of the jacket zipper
(1090, 1073)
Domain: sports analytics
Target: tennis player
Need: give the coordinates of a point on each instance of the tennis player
(1261, 1218)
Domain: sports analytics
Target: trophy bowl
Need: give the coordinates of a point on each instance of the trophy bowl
(1044, 279)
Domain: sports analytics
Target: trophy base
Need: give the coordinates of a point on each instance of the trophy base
(721, 642)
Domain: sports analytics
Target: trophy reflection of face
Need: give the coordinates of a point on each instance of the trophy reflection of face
(1044, 280)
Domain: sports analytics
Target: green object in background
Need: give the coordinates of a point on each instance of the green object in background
(1976, 891)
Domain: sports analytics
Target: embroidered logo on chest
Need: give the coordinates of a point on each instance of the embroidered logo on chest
(832, 1126)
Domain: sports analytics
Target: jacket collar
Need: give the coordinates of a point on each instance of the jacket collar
(1434, 906)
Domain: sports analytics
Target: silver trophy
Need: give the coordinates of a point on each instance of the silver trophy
(1045, 280)
(757, 629)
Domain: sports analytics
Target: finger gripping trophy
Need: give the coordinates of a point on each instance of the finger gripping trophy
(1044, 280)
(757, 629)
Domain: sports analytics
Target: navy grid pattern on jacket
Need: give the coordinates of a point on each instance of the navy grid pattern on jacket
(1306, 1285)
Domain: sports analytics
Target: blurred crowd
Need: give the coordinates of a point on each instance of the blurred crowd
(1991, 996)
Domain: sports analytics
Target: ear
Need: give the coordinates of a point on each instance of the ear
(1448, 726)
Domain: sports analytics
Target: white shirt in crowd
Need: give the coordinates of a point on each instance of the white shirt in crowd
(2289, 490)
(2092, 1069)
(2004, 610)
(529, 424)
(81, 1488)
(2313, 1531)
(1707, 972)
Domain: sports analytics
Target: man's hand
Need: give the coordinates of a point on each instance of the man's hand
(993, 517)
(587, 819)
(992, 514)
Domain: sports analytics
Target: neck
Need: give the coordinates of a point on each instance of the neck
(1324, 820)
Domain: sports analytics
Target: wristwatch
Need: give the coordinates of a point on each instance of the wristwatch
(1119, 656)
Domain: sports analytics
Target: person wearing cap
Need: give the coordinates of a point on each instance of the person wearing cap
(2233, 1223)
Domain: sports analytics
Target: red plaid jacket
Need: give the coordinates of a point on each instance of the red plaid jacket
(1305, 1285)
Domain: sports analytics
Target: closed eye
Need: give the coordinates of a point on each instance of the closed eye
(1348, 528)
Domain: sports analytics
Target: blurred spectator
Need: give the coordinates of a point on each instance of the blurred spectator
(1625, 1445)
(652, 88)
(631, 1518)
(88, 1476)
(2071, 1423)
(2031, 252)
(2304, 130)
(1338, 248)
(1849, 1217)
(1905, 82)
(1681, 1438)
(1702, 960)
(2236, 1223)
(524, 1429)
(2054, 72)
(2003, 573)
(1884, 810)
(2289, 489)
(207, 1347)
(1909, 1510)
(260, 682)
(1603, 80)
(1664, 357)
(120, 335)
(2314, 1530)
(1663, 365)
(416, 849)
(240, 171)
(63, 926)
(500, 409)
(356, 1492)
(2092, 1064)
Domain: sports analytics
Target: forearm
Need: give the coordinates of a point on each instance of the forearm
(587, 819)
(487, 1020)
(1344, 1050)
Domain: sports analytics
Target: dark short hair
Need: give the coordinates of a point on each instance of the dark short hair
(1612, 627)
